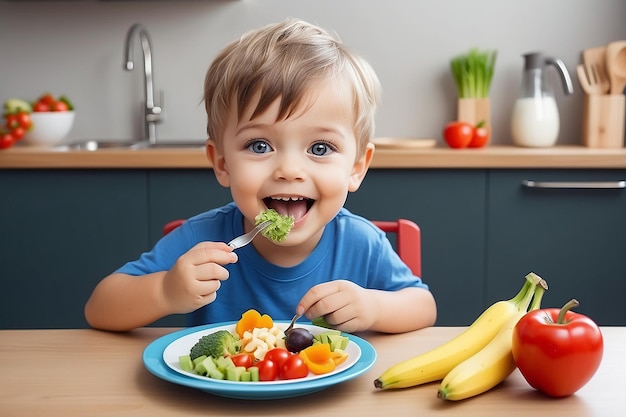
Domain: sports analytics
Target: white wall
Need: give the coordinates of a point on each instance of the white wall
(76, 48)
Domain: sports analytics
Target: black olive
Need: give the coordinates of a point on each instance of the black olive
(298, 339)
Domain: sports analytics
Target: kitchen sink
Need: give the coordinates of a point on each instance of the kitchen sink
(170, 145)
(94, 145)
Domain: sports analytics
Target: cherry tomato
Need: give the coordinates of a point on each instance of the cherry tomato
(11, 120)
(480, 136)
(458, 134)
(268, 371)
(294, 368)
(18, 133)
(23, 119)
(243, 359)
(278, 356)
(6, 140)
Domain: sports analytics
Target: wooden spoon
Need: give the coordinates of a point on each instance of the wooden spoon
(616, 66)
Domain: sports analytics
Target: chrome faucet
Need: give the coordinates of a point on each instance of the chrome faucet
(152, 113)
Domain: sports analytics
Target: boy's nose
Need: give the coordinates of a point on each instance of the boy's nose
(288, 168)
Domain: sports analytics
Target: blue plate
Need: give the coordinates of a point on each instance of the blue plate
(154, 359)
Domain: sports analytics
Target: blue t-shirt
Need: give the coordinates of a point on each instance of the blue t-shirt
(351, 248)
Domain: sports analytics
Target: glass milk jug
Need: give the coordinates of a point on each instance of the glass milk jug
(535, 119)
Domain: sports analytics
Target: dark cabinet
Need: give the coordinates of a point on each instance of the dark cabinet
(176, 194)
(449, 207)
(62, 231)
(574, 237)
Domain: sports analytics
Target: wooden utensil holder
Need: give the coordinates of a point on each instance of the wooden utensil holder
(474, 110)
(603, 120)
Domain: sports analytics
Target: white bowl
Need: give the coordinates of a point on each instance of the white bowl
(49, 128)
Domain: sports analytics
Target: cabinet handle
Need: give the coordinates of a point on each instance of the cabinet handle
(574, 184)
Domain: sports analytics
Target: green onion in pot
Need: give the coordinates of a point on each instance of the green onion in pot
(473, 73)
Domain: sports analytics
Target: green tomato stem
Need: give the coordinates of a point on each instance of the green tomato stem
(573, 303)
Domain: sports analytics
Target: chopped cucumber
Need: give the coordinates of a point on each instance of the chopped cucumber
(198, 360)
(186, 363)
(223, 363)
(321, 322)
(254, 373)
(212, 370)
(332, 337)
(234, 373)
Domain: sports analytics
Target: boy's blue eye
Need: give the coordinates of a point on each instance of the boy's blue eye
(321, 148)
(259, 146)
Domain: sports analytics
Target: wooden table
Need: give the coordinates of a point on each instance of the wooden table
(93, 373)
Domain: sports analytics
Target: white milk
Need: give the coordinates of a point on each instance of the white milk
(535, 122)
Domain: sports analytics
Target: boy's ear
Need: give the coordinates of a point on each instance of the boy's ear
(219, 163)
(360, 168)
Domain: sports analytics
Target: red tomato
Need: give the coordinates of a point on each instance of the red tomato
(40, 106)
(60, 106)
(480, 136)
(458, 134)
(243, 359)
(47, 98)
(557, 351)
(6, 140)
(278, 356)
(268, 371)
(294, 368)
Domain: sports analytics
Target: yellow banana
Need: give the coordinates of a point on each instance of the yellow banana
(434, 364)
(490, 366)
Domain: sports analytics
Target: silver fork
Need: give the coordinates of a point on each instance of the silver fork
(244, 239)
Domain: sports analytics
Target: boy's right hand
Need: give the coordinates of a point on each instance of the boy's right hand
(196, 276)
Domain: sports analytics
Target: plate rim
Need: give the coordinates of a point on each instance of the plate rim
(153, 361)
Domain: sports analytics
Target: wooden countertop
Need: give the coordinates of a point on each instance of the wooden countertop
(92, 373)
(437, 157)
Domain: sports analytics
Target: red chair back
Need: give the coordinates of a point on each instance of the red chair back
(172, 225)
(408, 242)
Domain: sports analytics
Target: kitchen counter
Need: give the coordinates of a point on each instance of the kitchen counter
(91, 373)
(437, 157)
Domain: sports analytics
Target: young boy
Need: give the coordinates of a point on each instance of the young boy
(290, 118)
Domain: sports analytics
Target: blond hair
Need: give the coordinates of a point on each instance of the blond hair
(283, 61)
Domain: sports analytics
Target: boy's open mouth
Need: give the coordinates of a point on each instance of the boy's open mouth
(290, 206)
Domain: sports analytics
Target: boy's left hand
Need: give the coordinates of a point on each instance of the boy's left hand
(343, 304)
